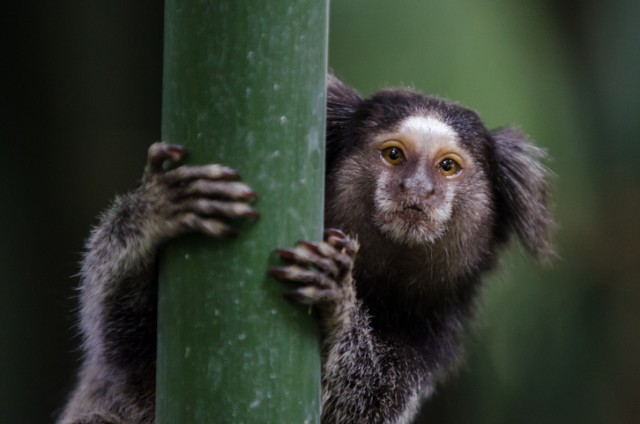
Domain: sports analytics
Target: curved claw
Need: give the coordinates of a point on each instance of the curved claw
(311, 246)
(335, 237)
(335, 232)
(286, 254)
(159, 152)
(278, 272)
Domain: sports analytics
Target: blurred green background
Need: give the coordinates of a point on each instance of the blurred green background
(81, 101)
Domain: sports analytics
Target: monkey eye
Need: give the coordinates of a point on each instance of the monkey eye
(393, 155)
(449, 167)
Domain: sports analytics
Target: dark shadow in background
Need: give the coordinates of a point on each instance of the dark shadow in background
(80, 103)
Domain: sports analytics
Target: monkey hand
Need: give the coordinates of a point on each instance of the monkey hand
(192, 198)
(323, 274)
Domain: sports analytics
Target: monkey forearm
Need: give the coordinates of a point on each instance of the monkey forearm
(118, 287)
(364, 378)
(117, 273)
(122, 243)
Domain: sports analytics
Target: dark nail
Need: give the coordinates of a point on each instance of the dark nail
(175, 149)
(286, 253)
(252, 214)
(334, 232)
(310, 245)
(249, 195)
(336, 242)
(336, 238)
(278, 272)
(229, 174)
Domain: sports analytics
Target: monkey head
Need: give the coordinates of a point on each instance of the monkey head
(424, 173)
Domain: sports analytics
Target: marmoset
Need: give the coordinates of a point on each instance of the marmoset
(420, 200)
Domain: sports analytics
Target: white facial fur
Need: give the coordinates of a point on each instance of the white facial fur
(424, 139)
(428, 132)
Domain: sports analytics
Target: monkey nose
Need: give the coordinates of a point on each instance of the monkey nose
(422, 187)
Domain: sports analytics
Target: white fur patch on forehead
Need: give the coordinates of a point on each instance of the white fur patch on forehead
(429, 126)
(428, 137)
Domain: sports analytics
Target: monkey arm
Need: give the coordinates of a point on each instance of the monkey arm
(365, 378)
(119, 283)
(117, 289)
(118, 272)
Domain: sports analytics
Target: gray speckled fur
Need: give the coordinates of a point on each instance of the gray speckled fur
(116, 382)
(392, 311)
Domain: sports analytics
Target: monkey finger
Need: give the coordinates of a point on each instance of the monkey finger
(341, 241)
(218, 208)
(309, 295)
(337, 236)
(336, 239)
(321, 248)
(333, 262)
(160, 152)
(184, 174)
(233, 190)
(301, 275)
(303, 256)
(335, 232)
(211, 227)
(341, 261)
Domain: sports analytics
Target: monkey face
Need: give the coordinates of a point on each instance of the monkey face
(419, 171)
(424, 178)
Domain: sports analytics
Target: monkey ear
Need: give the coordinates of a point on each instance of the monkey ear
(522, 190)
(341, 99)
(342, 104)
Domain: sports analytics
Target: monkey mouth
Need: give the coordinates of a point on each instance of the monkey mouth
(412, 226)
(411, 222)
(414, 210)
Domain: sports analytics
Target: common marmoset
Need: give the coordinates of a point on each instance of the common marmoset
(424, 197)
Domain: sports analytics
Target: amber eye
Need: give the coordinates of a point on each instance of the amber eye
(449, 167)
(393, 155)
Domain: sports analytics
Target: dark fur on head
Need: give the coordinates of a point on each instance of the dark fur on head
(522, 192)
(428, 292)
(515, 166)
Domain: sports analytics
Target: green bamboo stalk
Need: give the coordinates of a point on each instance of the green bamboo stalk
(244, 85)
